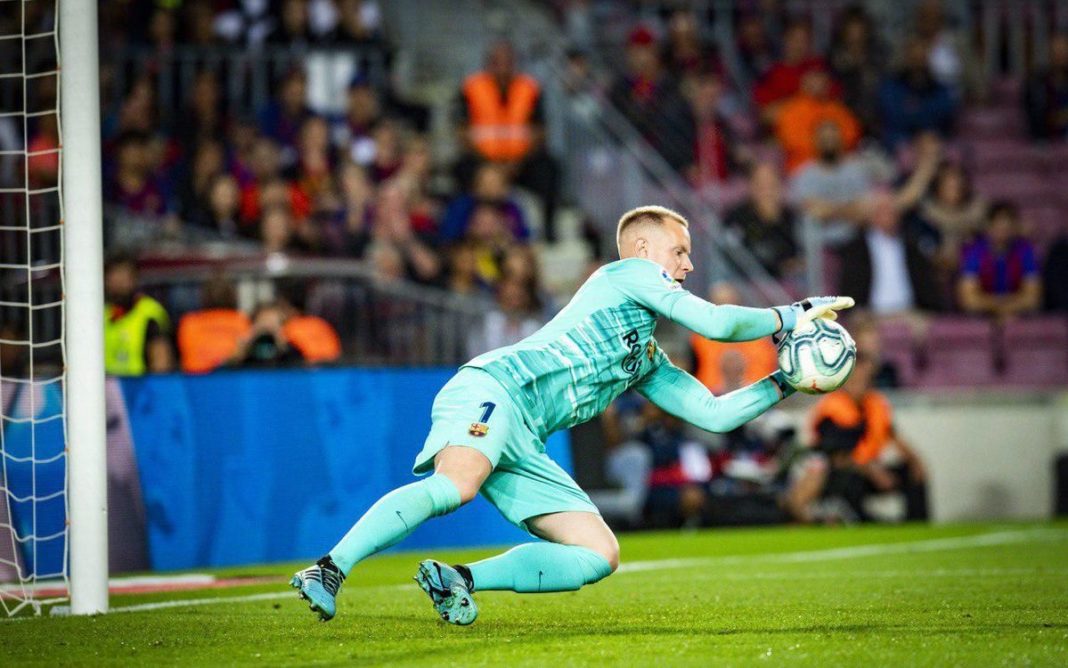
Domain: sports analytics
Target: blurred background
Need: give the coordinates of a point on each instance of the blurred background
(316, 209)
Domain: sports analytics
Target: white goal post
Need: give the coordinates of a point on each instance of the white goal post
(81, 192)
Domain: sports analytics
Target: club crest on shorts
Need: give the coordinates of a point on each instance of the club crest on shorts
(478, 429)
(650, 350)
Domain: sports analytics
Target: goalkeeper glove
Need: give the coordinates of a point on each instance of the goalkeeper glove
(799, 313)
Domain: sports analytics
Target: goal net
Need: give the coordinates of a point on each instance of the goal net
(33, 476)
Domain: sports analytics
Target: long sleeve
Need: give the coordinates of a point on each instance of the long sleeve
(683, 396)
(645, 282)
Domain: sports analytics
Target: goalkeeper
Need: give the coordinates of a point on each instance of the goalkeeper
(490, 422)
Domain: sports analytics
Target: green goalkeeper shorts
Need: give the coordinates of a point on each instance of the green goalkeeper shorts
(473, 410)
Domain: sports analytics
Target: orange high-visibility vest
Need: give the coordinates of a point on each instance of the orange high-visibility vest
(873, 411)
(206, 339)
(313, 337)
(500, 128)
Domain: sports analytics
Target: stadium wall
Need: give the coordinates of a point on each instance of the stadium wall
(264, 466)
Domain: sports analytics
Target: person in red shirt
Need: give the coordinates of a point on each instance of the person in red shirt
(783, 79)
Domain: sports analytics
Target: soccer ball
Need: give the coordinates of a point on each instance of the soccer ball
(817, 357)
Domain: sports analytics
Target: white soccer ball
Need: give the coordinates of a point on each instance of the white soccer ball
(817, 357)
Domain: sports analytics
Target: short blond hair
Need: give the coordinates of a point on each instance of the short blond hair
(644, 215)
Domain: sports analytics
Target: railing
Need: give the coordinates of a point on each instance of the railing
(249, 77)
(380, 322)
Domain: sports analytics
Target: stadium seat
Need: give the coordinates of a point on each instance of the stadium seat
(899, 349)
(1036, 352)
(960, 353)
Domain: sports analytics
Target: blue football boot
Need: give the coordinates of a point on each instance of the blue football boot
(449, 591)
(318, 585)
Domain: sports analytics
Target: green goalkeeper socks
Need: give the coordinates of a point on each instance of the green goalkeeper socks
(540, 567)
(393, 517)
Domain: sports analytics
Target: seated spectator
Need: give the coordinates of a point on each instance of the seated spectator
(208, 338)
(766, 224)
(463, 277)
(490, 186)
(857, 62)
(853, 433)
(715, 150)
(832, 188)
(413, 177)
(223, 207)
(279, 233)
(264, 167)
(513, 320)
(949, 52)
(363, 112)
(1046, 94)
(681, 470)
(999, 270)
(520, 262)
(349, 233)
(490, 235)
(884, 269)
(266, 345)
(808, 109)
(391, 221)
(783, 79)
(755, 53)
(954, 210)
(650, 99)
(502, 119)
(756, 358)
(133, 186)
(312, 173)
(194, 186)
(137, 328)
(913, 101)
(283, 117)
(293, 30)
(387, 263)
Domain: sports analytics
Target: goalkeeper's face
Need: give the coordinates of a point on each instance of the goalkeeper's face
(668, 244)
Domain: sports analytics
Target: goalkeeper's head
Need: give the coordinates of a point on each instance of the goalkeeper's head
(659, 234)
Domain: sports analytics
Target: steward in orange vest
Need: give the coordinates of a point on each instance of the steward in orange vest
(502, 109)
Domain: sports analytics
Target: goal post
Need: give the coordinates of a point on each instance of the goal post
(81, 194)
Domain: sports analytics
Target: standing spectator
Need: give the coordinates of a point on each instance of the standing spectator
(885, 270)
(650, 99)
(715, 143)
(783, 79)
(502, 121)
(805, 111)
(136, 327)
(209, 337)
(513, 320)
(999, 270)
(1046, 94)
(766, 224)
(831, 189)
(753, 359)
(912, 100)
(490, 186)
(853, 429)
(857, 61)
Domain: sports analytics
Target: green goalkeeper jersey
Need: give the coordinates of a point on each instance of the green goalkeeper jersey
(602, 344)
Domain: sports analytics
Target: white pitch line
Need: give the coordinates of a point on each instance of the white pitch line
(807, 556)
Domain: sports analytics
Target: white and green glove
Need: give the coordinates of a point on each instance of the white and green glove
(800, 313)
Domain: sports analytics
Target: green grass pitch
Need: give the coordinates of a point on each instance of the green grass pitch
(964, 595)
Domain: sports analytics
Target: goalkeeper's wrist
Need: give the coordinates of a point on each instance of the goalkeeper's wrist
(788, 318)
(779, 380)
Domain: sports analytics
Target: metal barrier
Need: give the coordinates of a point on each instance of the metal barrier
(379, 322)
(248, 77)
